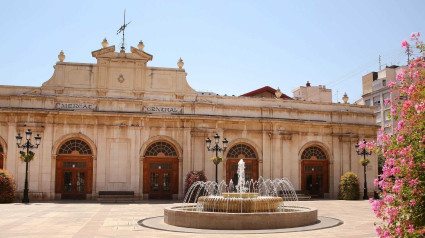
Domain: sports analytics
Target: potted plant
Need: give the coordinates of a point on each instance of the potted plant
(217, 160)
(27, 157)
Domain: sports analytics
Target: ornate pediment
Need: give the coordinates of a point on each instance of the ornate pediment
(109, 53)
(140, 53)
(104, 52)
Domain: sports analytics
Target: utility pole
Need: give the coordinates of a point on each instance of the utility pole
(408, 54)
(379, 62)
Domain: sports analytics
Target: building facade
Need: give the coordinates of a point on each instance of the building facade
(313, 93)
(376, 91)
(119, 125)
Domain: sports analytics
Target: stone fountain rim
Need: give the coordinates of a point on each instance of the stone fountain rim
(304, 209)
(239, 221)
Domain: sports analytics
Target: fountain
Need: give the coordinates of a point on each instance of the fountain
(250, 205)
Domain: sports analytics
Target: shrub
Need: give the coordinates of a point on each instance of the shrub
(349, 187)
(7, 187)
(191, 178)
(402, 209)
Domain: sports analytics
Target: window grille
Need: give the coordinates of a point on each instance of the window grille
(313, 152)
(241, 149)
(161, 147)
(75, 145)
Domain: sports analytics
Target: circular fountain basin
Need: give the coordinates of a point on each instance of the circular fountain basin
(240, 195)
(187, 216)
(235, 203)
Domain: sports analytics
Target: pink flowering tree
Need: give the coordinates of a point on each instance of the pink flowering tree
(402, 208)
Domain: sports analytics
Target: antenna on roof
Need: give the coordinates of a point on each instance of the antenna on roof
(122, 29)
(380, 62)
(408, 54)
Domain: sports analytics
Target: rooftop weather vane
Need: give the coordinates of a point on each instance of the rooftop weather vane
(122, 29)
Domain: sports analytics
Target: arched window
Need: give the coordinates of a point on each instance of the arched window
(161, 149)
(75, 146)
(314, 152)
(1, 149)
(241, 151)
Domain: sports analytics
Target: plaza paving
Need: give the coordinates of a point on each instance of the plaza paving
(95, 219)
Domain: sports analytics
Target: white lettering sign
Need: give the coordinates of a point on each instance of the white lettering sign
(75, 106)
(165, 110)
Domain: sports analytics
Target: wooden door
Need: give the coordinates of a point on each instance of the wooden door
(74, 176)
(251, 170)
(160, 177)
(314, 175)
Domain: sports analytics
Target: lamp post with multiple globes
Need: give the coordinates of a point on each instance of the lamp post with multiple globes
(364, 152)
(27, 145)
(217, 149)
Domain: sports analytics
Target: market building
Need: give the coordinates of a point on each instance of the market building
(121, 126)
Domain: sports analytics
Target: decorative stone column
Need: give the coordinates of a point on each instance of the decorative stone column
(94, 173)
(141, 195)
(53, 194)
(181, 181)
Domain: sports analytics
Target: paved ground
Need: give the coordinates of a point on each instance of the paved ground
(90, 219)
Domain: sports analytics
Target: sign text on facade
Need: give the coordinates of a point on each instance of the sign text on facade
(76, 106)
(158, 109)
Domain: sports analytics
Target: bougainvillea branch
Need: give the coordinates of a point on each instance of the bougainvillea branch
(402, 208)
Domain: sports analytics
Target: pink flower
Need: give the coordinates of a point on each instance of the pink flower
(411, 89)
(389, 199)
(411, 229)
(397, 186)
(413, 35)
(398, 231)
(393, 111)
(387, 101)
(414, 182)
(395, 170)
(400, 125)
(375, 183)
(387, 234)
(362, 145)
(378, 230)
(400, 77)
(400, 138)
(392, 84)
(404, 43)
(370, 145)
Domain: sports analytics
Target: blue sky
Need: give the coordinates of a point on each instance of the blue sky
(229, 47)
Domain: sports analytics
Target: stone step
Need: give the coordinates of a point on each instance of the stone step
(116, 196)
(118, 199)
(304, 197)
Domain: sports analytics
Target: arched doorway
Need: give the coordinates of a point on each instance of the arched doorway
(161, 171)
(314, 171)
(74, 169)
(249, 156)
(1, 157)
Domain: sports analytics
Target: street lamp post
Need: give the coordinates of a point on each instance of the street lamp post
(364, 152)
(26, 156)
(216, 148)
